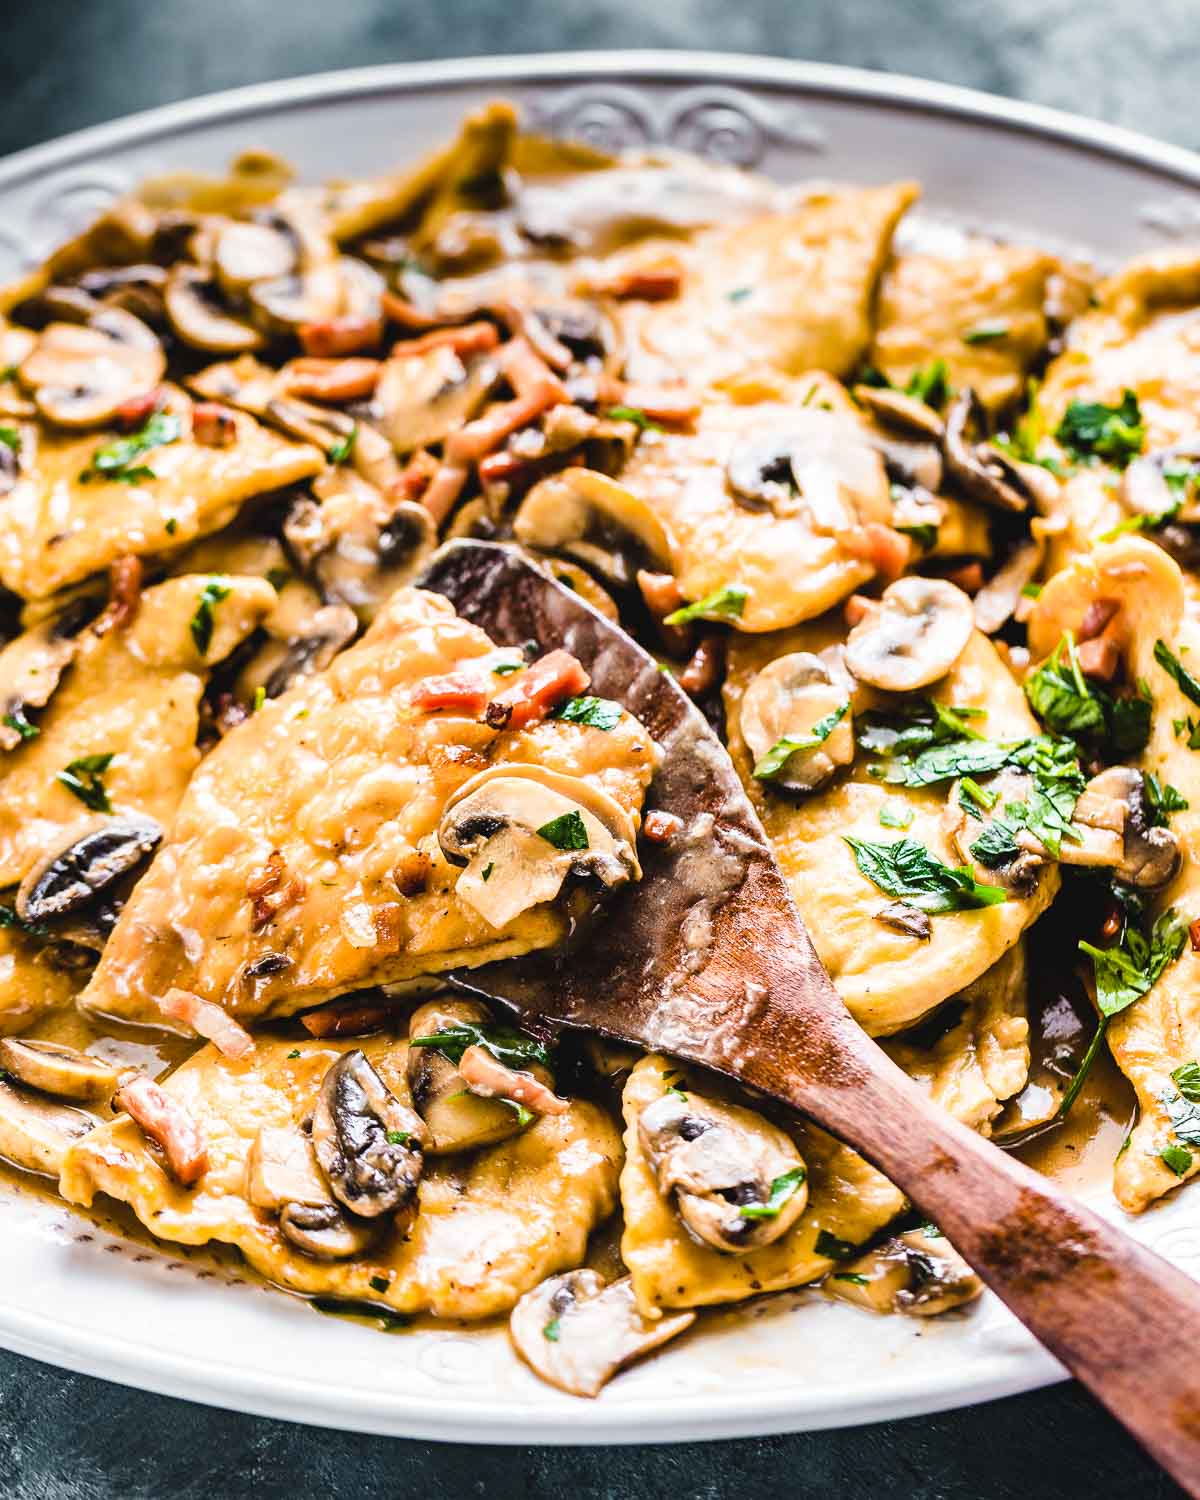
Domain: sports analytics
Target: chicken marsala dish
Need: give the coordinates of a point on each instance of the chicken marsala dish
(914, 520)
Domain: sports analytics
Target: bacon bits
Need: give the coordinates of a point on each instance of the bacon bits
(207, 1020)
(214, 425)
(538, 689)
(271, 891)
(168, 1124)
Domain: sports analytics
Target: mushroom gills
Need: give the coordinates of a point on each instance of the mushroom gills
(325, 1231)
(522, 830)
(915, 635)
(918, 1273)
(89, 860)
(61, 1071)
(36, 1134)
(576, 1331)
(368, 1144)
(596, 521)
(786, 702)
(738, 1181)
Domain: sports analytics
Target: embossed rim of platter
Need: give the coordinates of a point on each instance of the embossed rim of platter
(210, 1371)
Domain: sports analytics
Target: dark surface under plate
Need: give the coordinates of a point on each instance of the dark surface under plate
(76, 62)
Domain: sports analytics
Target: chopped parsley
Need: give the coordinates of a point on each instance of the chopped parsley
(15, 719)
(83, 778)
(507, 1045)
(1145, 521)
(1184, 1114)
(552, 1330)
(783, 1190)
(1178, 1158)
(1186, 1079)
(1162, 800)
(986, 333)
(907, 869)
(924, 533)
(398, 1137)
(597, 713)
(379, 1283)
(9, 918)
(260, 697)
(486, 873)
(833, 1247)
(1183, 1111)
(915, 727)
(739, 293)
(201, 624)
(931, 385)
(855, 1277)
(118, 460)
(343, 450)
(507, 668)
(171, 525)
(1176, 670)
(1066, 702)
(635, 415)
(567, 831)
(293, 1054)
(996, 846)
(524, 1116)
(777, 757)
(11, 438)
(1090, 430)
(895, 815)
(1132, 967)
(722, 604)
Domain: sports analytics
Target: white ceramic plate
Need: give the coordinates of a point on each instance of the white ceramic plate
(82, 1299)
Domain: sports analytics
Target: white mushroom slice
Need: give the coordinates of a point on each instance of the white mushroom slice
(64, 1072)
(200, 319)
(79, 376)
(30, 669)
(981, 471)
(458, 1119)
(1115, 823)
(325, 1231)
(916, 635)
(245, 252)
(576, 1331)
(360, 544)
(1145, 489)
(522, 830)
(597, 521)
(281, 1169)
(786, 702)
(918, 1273)
(738, 1181)
(422, 398)
(368, 1144)
(36, 1134)
(284, 303)
(823, 465)
(997, 601)
(89, 858)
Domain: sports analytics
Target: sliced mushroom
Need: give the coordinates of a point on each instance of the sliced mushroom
(368, 1144)
(597, 521)
(786, 701)
(917, 633)
(36, 1134)
(245, 251)
(997, 601)
(200, 318)
(79, 376)
(422, 398)
(1144, 486)
(138, 289)
(458, 1119)
(1019, 868)
(918, 1273)
(823, 466)
(1150, 856)
(32, 665)
(576, 1331)
(281, 1168)
(297, 645)
(738, 1181)
(898, 409)
(975, 466)
(325, 1231)
(51, 1068)
(522, 830)
(91, 856)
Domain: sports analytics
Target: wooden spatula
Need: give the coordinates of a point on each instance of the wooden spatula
(707, 959)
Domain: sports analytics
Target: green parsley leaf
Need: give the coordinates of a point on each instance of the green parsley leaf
(836, 1249)
(398, 1137)
(1059, 693)
(783, 1189)
(260, 697)
(852, 1276)
(996, 846)
(486, 873)
(1142, 522)
(1184, 1115)
(82, 777)
(1176, 670)
(1129, 969)
(635, 415)
(16, 720)
(979, 796)
(507, 668)
(1162, 800)
(9, 918)
(293, 1054)
(505, 1043)
(907, 869)
(201, 623)
(171, 525)
(777, 757)
(986, 333)
(379, 1283)
(11, 438)
(1186, 1079)
(524, 1116)
(924, 533)
(118, 459)
(278, 578)
(567, 831)
(1031, 591)
(343, 450)
(552, 1330)
(597, 713)
(1091, 430)
(895, 815)
(723, 604)
(1085, 1067)
(739, 293)
(1178, 1158)
(931, 385)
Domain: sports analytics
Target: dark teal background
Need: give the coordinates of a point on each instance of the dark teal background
(70, 63)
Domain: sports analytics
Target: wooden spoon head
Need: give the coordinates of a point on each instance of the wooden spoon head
(707, 957)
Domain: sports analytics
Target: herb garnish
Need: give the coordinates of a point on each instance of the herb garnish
(986, 333)
(11, 438)
(777, 757)
(635, 415)
(551, 1330)
(895, 815)
(931, 385)
(507, 668)
(486, 873)
(906, 868)
(1161, 800)
(201, 626)
(1129, 969)
(1065, 701)
(722, 604)
(1183, 1111)
(118, 460)
(1091, 430)
(596, 713)
(294, 1053)
(567, 831)
(923, 533)
(835, 1248)
(398, 1137)
(1177, 1158)
(507, 1045)
(15, 719)
(783, 1189)
(852, 1276)
(379, 1283)
(1176, 670)
(82, 777)
(342, 451)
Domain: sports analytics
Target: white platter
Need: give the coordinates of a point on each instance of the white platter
(77, 1297)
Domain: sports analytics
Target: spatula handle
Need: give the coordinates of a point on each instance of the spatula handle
(1121, 1319)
